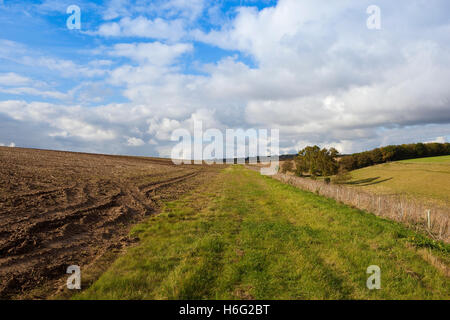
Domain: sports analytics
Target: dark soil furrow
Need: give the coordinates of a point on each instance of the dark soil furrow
(62, 208)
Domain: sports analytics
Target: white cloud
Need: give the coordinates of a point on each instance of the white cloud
(11, 145)
(35, 92)
(154, 53)
(70, 127)
(115, 9)
(135, 142)
(144, 28)
(13, 79)
(314, 72)
(439, 140)
(100, 63)
(325, 79)
(319, 78)
(9, 49)
(187, 9)
(67, 120)
(169, 9)
(20, 54)
(66, 68)
(163, 129)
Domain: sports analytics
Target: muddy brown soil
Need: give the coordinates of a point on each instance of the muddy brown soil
(60, 208)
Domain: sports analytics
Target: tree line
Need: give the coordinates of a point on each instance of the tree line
(394, 153)
(314, 161)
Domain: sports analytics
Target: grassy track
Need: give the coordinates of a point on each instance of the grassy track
(246, 236)
(426, 179)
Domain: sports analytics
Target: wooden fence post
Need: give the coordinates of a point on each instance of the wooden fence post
(379, 204)
(428, 219)
(401, 210)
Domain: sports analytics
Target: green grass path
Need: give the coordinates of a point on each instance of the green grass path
(245, 236)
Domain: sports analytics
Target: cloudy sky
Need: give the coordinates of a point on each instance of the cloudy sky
(138, 70)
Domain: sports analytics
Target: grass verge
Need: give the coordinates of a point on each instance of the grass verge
(245, 236)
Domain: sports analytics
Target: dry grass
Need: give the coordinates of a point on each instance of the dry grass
(428, 256)
(426, 179)
(402, 191)
(395, 207)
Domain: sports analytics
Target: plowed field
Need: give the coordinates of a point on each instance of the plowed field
(59, 209)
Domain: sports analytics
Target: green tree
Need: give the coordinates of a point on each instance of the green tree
(287, 166)
(376, 156)
(316, 162)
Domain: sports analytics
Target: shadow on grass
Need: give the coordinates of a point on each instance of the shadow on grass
(368, 181)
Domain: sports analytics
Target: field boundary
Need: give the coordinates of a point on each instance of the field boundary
(433, 220)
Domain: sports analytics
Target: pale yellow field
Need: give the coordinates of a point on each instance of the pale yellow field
(426, 179)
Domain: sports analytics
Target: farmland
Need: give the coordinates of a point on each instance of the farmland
(425, 179)
(245, 236)
(61, 208)
(144, 228)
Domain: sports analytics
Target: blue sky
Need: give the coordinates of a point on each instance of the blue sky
(41, 27)
(137, 70)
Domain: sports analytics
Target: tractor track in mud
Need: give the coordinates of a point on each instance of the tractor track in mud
(59, 209)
